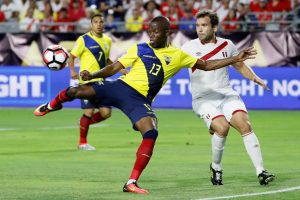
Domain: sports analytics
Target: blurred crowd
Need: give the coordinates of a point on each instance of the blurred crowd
(134, 15)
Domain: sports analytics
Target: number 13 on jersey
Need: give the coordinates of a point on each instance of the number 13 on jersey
(155, 69)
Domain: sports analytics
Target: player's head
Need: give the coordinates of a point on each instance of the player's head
(159, 31)
(97, 24)
(206, 25)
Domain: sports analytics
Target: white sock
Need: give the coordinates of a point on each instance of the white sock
(253, 148)
(217, 144)
(130, 181)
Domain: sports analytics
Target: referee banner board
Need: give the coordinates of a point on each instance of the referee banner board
(31, 86)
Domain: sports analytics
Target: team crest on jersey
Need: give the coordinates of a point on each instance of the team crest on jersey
(167, 59)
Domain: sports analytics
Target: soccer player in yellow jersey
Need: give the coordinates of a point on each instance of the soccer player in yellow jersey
(152, 64)
(93, 50)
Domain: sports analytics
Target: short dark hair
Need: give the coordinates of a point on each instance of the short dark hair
(214, 19)
(96, 15)
(163, 21)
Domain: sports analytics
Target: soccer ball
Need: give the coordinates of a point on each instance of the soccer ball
(55, 57)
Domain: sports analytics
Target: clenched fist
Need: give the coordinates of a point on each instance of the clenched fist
(86, 75)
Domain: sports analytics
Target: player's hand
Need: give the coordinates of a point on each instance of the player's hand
(85, 75)
(260, 82)
(74, 75)
(246, 54)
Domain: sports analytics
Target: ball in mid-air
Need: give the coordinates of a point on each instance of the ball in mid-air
(55, 57)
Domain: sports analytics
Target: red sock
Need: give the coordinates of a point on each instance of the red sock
(84, 128)
(143, 155)
(60, 98)
(96, 118)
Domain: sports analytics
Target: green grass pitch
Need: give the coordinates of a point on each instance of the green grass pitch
(39, 159)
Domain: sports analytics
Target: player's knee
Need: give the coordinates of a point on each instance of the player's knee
(244, 127)
(151, 134)
(223, 130)
(72, 91)
(82, 92)
(105, 114)
(88, 112)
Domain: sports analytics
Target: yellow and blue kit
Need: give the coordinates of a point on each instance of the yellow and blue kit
(93, 53)
(150, 70)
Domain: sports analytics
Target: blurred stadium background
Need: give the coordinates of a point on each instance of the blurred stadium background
(29, 149)
(28, 27)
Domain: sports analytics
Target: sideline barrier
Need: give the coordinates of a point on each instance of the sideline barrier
(31, 86)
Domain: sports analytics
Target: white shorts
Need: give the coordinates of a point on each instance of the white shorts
(211, 107)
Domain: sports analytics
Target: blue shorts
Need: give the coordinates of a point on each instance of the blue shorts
(120, 95)
(86, 103)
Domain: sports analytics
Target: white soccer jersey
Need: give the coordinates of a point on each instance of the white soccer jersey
(205, 83)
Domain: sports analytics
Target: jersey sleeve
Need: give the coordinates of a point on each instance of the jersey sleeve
(185, 47)
(78, 47)
(131, 55)
(233, 48)
(187, 61)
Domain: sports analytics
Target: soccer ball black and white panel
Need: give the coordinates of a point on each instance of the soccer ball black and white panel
(55, 57)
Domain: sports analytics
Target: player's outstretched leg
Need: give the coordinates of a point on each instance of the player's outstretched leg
(43, 109)
(265, 177)
(55, 104)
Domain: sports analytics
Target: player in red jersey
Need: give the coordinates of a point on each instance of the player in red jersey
(216, 102)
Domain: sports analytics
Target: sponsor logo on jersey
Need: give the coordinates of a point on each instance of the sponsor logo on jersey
(198, 53)
(94, 47)
(148, 56)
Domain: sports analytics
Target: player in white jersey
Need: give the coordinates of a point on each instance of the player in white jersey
(216, 102)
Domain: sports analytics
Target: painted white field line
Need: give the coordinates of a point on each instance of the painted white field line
(8, 129)
(253, 194)
(54, 128)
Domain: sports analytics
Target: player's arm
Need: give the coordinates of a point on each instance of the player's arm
(248, 73)
(216, 64)
(122, 71)
(103, 73)
(74, 74)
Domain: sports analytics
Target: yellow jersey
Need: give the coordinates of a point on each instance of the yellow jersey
(93, 53)
(151, 68)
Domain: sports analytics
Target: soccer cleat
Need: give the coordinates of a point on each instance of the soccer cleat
(134, 188)
(216, 176)
(264, 177)
(43, 110)
(86, 147)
